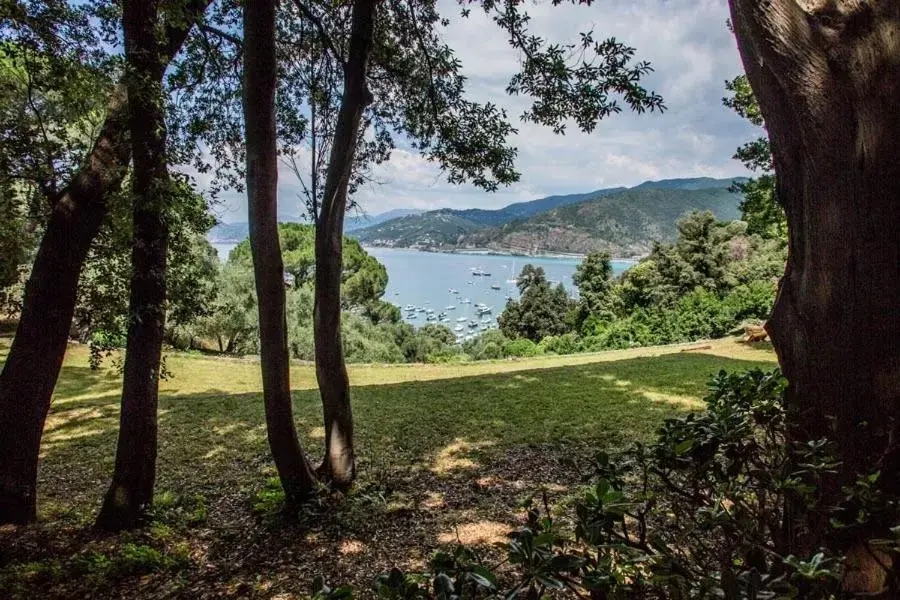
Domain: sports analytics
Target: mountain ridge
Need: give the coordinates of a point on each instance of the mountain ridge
(623, 221)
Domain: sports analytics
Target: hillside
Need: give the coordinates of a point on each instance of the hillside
(356, 221)
(435, 228)
(622, 221)
(624, 224)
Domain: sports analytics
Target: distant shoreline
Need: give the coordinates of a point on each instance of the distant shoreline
(492, 252)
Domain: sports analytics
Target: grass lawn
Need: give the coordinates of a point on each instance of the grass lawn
(445, 452)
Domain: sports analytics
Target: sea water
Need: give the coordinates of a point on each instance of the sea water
(436, 281)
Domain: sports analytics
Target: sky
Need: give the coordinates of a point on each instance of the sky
(692, 53)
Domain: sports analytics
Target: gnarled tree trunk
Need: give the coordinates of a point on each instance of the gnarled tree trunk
(35, 358)
(827, 79)
(339, 465)
(131, 491)
(260, 72)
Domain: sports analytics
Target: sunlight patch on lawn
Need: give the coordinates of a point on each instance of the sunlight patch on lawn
(683, 401)
(477, 533)
(456, 456)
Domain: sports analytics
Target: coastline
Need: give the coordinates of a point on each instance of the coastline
(510, 253)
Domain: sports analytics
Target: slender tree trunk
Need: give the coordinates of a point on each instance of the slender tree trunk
(827, 84)
(260, 72)
(131, 491)
(35, 358)
(339, 465)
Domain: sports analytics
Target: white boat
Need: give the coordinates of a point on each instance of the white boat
(410, 307)
(450, 307)
(485, 310)
(495, 287)
(462, 320)
(458, 328)
(465, 301)
(477, 272)
(420, 309)
(452, 291)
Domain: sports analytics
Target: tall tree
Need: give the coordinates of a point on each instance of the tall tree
(826, 79)
(131, 491)
(339, 464)
(35, 357)
(260, 81)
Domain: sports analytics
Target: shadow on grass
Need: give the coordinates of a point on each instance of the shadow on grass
(214, 440)
(438, 459)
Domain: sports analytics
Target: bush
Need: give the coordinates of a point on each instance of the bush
(560, 344)
(521, 348)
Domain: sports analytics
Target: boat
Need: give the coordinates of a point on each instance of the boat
(445, 320)
(470, 283)
(420, 309)
(465, 301)
(462, 320)
(473, 324)
(450, 307)
(410, 307)
(452, 291)
(483, 328)
(458, 328)
(486, 320)
(477, 272)
(412, 316)
(495, 287)
(485, 310)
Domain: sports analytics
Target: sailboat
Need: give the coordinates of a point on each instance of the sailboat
(513, 279)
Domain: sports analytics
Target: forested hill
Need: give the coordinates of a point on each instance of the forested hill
(624, 224)
(622, 221)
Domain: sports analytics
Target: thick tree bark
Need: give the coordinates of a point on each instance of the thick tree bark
(339, 465)
(260, 72)
(131, 491)
(35, 358)
(827, 83)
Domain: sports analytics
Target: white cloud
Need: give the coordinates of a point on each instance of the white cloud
(692, 53)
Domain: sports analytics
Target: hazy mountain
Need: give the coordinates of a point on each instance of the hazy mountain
(229, 233)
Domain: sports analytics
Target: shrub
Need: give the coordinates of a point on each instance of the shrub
(560, 344)
(521, 348)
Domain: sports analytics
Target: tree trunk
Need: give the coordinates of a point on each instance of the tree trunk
(131, 491)
(827, 84)
(35, 358)
(260, 72)
(36, 355)
(339, 465)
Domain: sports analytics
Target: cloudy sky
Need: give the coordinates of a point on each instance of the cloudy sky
(692, 52)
